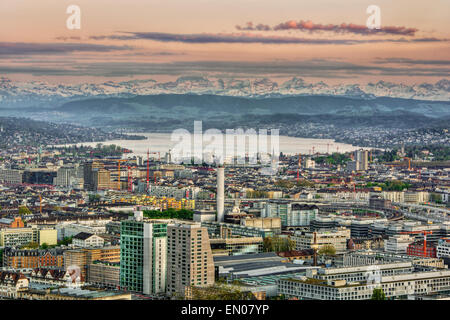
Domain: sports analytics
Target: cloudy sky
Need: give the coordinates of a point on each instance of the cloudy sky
(162, 39)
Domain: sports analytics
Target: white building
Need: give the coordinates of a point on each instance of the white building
(345, 284)
(443, 248)
(398, 243)
(86, 240)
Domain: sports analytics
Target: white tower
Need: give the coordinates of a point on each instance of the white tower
(220, 197)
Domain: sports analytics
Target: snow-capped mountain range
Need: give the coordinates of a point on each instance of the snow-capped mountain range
(29, 93)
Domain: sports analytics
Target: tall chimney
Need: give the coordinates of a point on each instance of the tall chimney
(220, 197)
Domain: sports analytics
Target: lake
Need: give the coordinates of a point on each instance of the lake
(161, 142)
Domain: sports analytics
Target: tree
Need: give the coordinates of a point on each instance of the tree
(378, 294)
(220, 292)
(23, 210)
(44, 246)
(328, 250)
(31, 245)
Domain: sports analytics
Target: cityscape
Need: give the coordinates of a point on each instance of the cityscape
(276, 162)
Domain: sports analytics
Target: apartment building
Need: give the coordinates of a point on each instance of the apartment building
(16, 258)
(189, 258)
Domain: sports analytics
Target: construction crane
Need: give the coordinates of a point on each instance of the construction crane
(409, 162)
(425, 233)
(118, 171)
(130, 179)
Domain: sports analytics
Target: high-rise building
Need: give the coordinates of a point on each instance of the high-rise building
(220, 194)
(189, 258)
(88, 170)
(143, 255)
(362, 160)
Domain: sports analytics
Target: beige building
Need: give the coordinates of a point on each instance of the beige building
(83, 257)
(264, 223)
(337, 238)
(189, 258)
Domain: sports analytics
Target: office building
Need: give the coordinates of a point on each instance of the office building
(337, 238)
(398, 243)
(143, 255)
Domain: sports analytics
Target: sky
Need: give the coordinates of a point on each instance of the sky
(320, 40)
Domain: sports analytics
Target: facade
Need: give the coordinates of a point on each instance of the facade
(12, 283)
(236, 246)
(16, 237)
(398, 243)
(189, 259)
(338, 238)
(143, 255)
(220, 229)
(292, 214)
(443, 248)
(417, 249)
(16, 258)
(398, 286)
(11, 176)
(362, 160)
(81, 258)
(86, 240)
(104, 274)
(220, 198)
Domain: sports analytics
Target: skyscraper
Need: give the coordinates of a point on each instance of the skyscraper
(189, 258)
(220, 197)
(362, 160)
(143, 254)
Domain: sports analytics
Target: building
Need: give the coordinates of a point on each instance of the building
(18, 237)
(292, 214)
(39, 176)
(263, 223)
(224, 230)
(338, 238)
(362, 160)
(236, 246)
(417, 249)
(16, 258)
(189, 258)
(204, 215)
(220, 198)
(104, 274)
(17, 222)
(143, 255)
(416, 197)
(443, 248)
(398, 243)
(81, 258)
(344, 284)
(11, 176)
(68, 176)
(12, 283)
(85, 240)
